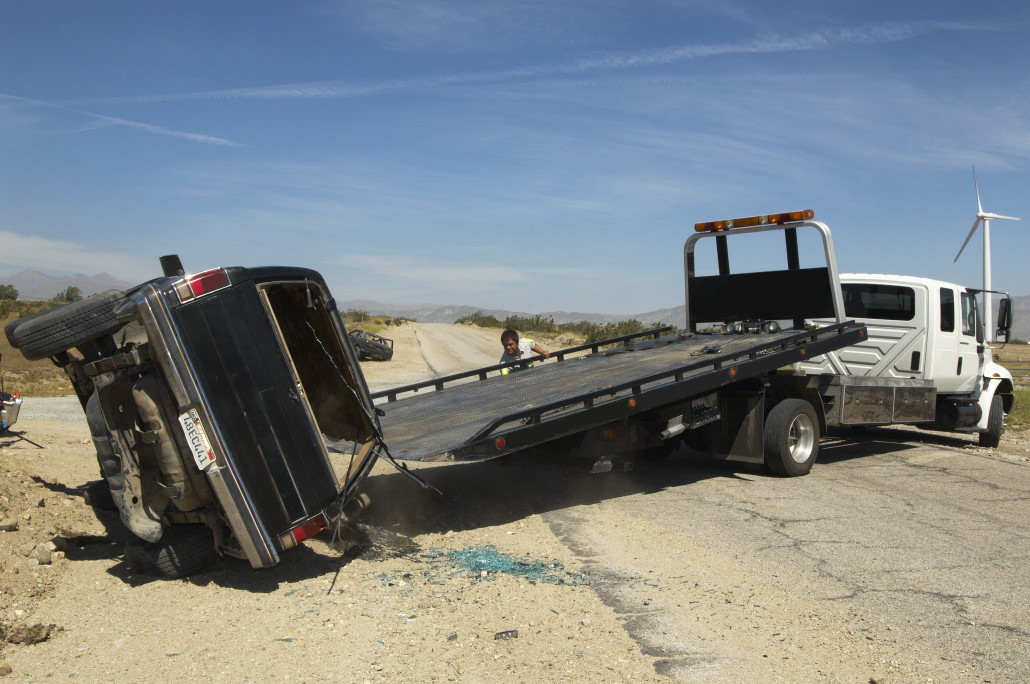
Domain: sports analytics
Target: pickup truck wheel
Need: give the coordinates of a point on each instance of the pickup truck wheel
(182, 551)
(51, 332)
(791, 437)
(995, 424)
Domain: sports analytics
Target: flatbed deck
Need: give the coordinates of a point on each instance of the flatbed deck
(498, 414)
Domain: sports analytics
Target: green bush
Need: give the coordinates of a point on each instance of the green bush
(1020, 416)
(590, 332)
(481, 319)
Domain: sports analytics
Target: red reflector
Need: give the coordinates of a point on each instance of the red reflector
(208, 281)
(202, 284)
(500, 442)
(308, 529)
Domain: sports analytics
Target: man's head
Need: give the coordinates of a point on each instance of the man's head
(510, 341)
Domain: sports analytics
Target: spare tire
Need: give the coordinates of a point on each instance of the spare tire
(52, 332)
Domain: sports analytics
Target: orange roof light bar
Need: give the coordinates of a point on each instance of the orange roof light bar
(748, 221)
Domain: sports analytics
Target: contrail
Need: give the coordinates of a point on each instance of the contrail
(99, 120)
(892, 32)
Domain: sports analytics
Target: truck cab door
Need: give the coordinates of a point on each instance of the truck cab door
(969, 365)
(948, 340)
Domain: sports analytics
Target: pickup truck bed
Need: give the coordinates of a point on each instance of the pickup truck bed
(496, 415)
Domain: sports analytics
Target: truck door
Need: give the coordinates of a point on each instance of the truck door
(945, 370)
(970, 348)
(956, 362)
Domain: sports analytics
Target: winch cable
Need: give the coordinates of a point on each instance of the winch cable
(382, 448)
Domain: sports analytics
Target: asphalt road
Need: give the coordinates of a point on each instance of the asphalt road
(925, 544)
(915, 542)
(922, 537)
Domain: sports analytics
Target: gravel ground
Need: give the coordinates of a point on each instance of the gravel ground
(61, 409)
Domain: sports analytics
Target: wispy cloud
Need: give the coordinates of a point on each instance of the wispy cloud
(101, 121)
(460, 26)
(824, 39)
(60, 256)
(448, 275)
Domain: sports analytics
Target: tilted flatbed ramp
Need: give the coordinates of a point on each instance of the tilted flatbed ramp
(499, 414)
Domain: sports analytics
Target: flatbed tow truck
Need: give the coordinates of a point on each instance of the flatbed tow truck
(230, 414)
(730, 391)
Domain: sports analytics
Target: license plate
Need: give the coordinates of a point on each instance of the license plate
(197, 439)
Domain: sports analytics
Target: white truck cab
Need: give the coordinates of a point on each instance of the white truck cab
(920, 329)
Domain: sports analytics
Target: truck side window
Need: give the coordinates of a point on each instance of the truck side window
(947, 310)
(968, 314)
(872, 300)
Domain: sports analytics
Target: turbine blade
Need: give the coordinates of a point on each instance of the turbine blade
(999, 216)
(979, 207)
(976, 223)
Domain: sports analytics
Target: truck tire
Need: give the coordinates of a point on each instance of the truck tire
(51, 332)
(182, 551)
(991, 437)
(791, 438)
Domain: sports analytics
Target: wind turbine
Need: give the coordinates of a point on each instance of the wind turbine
(985, 217)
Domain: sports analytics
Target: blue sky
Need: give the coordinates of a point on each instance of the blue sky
(530, 156)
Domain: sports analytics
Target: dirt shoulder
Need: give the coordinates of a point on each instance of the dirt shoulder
(379, 607)
(476, 594)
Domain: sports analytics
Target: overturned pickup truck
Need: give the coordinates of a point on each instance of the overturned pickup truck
(227, 408)
(371, 346)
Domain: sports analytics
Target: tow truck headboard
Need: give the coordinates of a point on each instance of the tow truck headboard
(793, 293)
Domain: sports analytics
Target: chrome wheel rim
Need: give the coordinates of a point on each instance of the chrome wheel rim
(801, 438)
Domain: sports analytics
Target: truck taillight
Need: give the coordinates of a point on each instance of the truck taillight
(748, 221)
(201, 284)
(303, 531)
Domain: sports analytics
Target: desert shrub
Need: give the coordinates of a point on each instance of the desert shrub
(481, 319)
(536, 324)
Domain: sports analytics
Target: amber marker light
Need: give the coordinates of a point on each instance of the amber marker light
(749, 221)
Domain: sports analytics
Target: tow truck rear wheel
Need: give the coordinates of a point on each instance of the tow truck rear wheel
(791, 437)
(995, 424)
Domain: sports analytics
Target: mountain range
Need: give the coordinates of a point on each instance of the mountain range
(33, 285)
(433, 313)
(36, 286)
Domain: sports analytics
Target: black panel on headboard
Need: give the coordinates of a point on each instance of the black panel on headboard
(769, 295)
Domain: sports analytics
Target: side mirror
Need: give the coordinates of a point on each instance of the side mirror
(1005, 315)
(171, 265)
(1001, 335)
